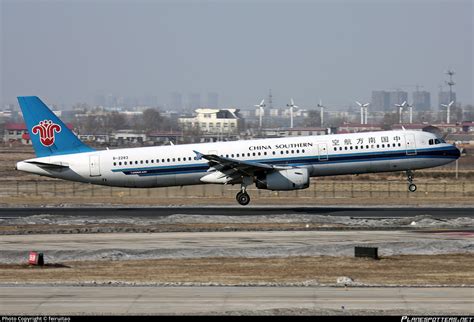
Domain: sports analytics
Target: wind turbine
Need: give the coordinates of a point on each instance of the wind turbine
(400, 110)
(291, 106)
(448, 106)
(362, 107)
(321, 106)
(260, 106)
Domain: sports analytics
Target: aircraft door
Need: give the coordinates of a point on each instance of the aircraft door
(410, 144)
(94, 165)
(323, 151)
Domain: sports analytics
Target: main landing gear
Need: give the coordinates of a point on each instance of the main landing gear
(411, 185)
(242, 196)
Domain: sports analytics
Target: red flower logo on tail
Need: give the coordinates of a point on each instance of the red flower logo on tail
(46, 131)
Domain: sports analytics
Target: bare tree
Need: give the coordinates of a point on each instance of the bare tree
(152, 119)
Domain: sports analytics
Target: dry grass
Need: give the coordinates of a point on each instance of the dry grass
(453, 269)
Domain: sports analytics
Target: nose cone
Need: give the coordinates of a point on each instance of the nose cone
(457, 152)
(454, 152)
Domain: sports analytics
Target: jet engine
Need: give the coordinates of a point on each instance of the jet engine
(289, 179)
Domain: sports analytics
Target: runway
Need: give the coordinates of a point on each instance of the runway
(195, 300)
(356, 212)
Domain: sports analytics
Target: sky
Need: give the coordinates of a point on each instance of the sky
(338, 51)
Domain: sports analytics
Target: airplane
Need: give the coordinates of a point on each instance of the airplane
(273, 164)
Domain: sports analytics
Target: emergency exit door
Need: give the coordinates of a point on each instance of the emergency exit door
(323, 151)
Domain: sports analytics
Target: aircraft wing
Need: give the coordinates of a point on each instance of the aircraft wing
(235, 167)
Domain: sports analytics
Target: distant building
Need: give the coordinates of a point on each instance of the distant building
(397, 97)
(164, 137)
(380, 101)
(296, 131)
(444, 98)
(421, 101)
(124, 137)
(16, 132)
(355, 128)
(468, 127)
(209, 120)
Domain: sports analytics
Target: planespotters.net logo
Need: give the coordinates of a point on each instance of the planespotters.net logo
(46, 130)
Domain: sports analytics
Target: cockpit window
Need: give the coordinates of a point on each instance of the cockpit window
(431, 141)
(437, 141)
(442, 141)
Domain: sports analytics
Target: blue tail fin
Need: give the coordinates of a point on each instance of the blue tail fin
(49, 135)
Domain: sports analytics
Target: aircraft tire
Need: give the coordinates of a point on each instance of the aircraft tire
(243, 198)
(412, 187)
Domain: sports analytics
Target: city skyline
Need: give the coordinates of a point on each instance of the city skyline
(335, 51)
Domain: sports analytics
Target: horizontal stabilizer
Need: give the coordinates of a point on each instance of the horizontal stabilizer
(49, 165)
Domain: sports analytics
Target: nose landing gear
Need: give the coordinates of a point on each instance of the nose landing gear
(411, 185)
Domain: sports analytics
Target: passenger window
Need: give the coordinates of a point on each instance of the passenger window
(287, 152)
(399, 144)
(167, 160)
(125, 163)
(366, 146)
(265, 153)
(378, 146)
(259, 153)
(281, 152)
(141, 161)
(335, 149)
(345, 148)
(273, 152)
(356, 147)
(115, 163)
(120, 163)
(340, 148)
(383, 145)
(302, 151)
(253, 153)
(351, 147)
(146, 161)
(297, 151)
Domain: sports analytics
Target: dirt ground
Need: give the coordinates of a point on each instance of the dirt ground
(452, 269)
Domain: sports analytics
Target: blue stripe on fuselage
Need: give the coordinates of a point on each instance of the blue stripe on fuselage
(443, 153)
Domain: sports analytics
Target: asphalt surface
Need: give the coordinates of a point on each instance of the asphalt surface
(194, 300)
(356, 212)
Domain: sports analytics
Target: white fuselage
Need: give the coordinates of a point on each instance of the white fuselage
(322, 155)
